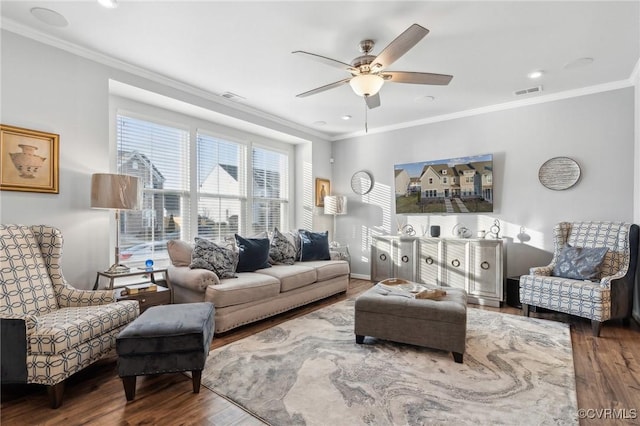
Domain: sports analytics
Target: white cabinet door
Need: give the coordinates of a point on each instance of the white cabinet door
(430, 261)
(404, 259)
(486, 270)
(381, 259)
(456, 264)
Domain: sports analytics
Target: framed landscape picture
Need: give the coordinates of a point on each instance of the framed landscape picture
(28, 160)
(453, 185)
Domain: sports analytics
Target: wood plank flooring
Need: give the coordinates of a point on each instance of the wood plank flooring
(607, 377)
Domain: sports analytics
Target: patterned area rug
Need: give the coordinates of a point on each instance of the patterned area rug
(310, 371)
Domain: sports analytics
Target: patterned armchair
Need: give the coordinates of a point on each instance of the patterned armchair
(609, 295)
(49, 329)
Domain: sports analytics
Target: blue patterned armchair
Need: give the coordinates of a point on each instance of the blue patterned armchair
(609, 292)
(49, 329)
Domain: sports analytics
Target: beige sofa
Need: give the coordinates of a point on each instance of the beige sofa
(253, 296)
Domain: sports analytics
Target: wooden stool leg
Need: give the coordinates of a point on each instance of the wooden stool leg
(196, 375)
(129, 383)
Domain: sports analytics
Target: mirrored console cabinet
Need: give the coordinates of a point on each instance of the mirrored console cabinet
(476, 265)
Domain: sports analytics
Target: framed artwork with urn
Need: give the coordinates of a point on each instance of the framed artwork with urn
(28, 160)
(323, 188)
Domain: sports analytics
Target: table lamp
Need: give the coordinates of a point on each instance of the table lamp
(335, 205)
(115, 192)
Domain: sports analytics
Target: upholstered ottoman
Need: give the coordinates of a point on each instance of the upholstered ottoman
(438, 324)
(165, 339)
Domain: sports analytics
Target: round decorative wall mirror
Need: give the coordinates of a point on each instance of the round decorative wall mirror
(361, 182)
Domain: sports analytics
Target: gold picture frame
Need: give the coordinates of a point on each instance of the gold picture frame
(323, 188)
(28, 160)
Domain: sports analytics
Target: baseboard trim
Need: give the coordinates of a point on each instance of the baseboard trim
(361, 276)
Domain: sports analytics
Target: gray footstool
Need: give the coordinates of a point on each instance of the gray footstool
(165, 339)
(438, 324)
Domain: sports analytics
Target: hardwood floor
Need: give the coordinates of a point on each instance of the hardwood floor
(607, 377)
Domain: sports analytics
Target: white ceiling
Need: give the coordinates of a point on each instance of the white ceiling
(245, 48)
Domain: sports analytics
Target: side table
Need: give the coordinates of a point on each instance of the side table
(513, 292)
(144, 273)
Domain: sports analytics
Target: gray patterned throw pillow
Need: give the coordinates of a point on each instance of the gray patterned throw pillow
(579, 263)
(282, 250)
(209, 255)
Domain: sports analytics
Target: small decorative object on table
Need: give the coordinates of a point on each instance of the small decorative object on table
(495, 230)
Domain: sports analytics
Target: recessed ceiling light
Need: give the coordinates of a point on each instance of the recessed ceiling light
(319, 123)
(424, 99)
(49, 17)
(577, 63)
(346, 117)
(109, 4)
(535, 74)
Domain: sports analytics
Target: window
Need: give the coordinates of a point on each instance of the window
(270, 189)
(158, 155)
(222, 183)
(235, 187)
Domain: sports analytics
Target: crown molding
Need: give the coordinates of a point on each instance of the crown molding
(605, 87)
(28, 32)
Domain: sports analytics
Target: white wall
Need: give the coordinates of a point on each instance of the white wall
(48, 89)
(595, 130)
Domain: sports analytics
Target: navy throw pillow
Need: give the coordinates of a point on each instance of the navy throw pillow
(254, 254)
(314, 245)
(579, 263)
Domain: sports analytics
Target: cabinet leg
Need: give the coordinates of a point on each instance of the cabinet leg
(525, 310)
(457, 357)
(359, 339)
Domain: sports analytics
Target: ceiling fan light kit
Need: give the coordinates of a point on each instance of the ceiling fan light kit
(366, 84)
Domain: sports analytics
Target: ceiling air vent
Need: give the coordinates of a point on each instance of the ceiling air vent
(527, 91)
(232, 97)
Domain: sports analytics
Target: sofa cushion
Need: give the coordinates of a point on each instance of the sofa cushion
(579, 263)
(179, 252)
(25, 285)
(217, 258)
(314, 246)
(291, 276)
(66, 328)
(253, 253)
(282, 249)
(247, 287)
(327, 269)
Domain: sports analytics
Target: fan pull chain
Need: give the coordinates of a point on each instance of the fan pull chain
(366, 113)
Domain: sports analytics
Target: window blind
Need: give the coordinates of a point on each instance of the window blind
(158, 155)
(222, 187)
(270, 189)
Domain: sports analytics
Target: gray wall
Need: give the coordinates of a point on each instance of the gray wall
(595, 130)
(52, 90)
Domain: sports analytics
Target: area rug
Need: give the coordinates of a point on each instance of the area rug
(310, 371)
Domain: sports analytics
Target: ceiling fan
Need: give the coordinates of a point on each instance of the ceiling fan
(367, 71)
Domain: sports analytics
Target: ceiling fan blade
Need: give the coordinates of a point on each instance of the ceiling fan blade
(323, 88)
(417, 77)
(325, 60)
(401, 45)
(373, 101)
